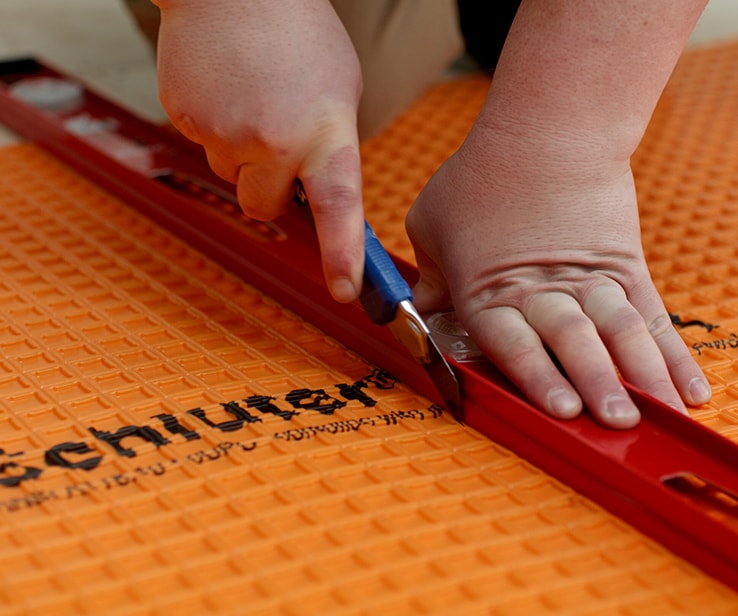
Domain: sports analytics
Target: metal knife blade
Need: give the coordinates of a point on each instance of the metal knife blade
(387, 299)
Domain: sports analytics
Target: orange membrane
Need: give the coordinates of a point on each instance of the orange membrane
(174, 440)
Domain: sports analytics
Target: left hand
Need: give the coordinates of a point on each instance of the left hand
(544, 255)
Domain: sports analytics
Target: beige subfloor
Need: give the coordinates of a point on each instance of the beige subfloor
(97, 41)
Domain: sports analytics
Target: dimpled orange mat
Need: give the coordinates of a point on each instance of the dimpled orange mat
(175, 442)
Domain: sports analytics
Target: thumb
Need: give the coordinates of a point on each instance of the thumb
(430, 293)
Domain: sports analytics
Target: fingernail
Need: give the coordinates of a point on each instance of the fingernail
(619, 406)
(563, 403)
(343, 290)
(699, 390)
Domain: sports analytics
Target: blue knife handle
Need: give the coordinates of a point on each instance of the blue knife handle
(384, 287)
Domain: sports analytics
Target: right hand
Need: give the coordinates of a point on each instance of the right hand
(270, 89)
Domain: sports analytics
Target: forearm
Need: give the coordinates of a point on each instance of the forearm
(587, 74)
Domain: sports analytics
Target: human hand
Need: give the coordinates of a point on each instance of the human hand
(270, 88)
(541, 252)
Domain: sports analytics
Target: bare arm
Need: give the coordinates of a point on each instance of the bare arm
(588, 72)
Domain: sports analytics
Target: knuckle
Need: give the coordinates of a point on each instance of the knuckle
(619, 322)
(660, 327)
(661, 384)
(568, 326)
(184, 122)
(521, 353)
(336, 200)
(625, 322)
(573, 322)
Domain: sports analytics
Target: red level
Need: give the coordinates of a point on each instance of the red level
(671, 477)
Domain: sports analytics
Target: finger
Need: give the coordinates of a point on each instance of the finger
(685, 372)
(265, 190)
(224, 167)
(573, 338)
(505, 337)
(331, 175)
(264, 181)
(631, 345)
(690, 381)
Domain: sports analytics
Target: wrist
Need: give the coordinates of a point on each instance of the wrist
(543, 151)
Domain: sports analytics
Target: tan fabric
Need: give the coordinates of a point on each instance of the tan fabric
(403, 46)
(147, 18)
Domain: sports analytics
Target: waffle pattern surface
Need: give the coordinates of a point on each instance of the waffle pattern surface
(172, 440)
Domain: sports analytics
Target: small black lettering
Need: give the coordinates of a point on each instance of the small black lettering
(15, 474)
(676, 321)
(122, 480)
(76, 490)
(153, 469)
(54, 456)
(381, 379)
(356, 392)
(721, 344)
(314, 400)
(242, 416)
(171, 423)
(114, 438)
(265, 405)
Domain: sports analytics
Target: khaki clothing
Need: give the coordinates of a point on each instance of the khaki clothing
(403, 46)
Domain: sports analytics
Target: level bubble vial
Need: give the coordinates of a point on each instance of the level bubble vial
(49, 93)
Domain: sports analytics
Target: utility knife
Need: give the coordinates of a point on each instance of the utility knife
(388, 300)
